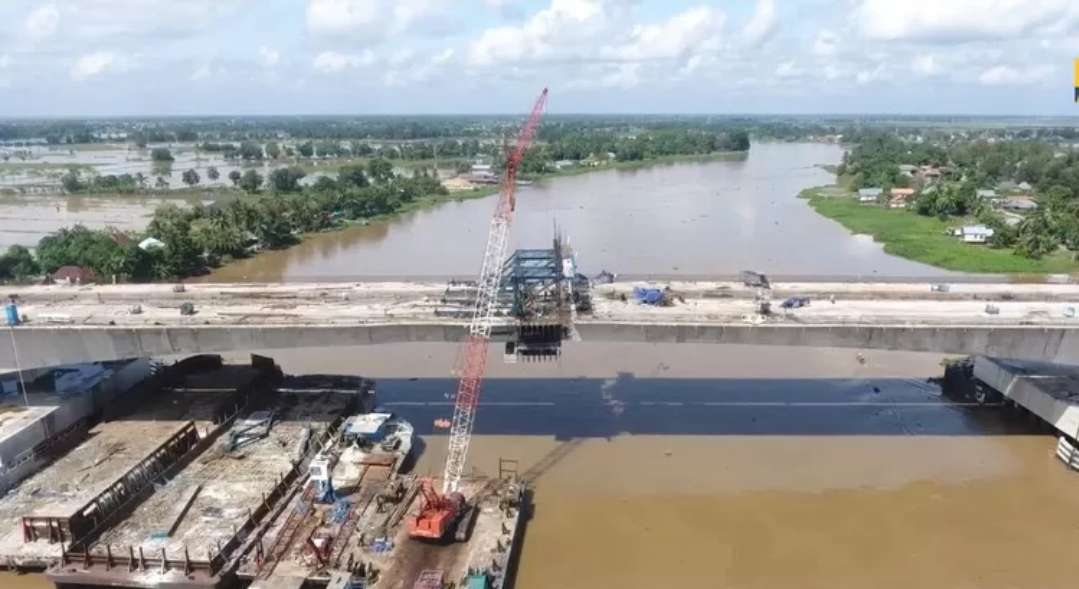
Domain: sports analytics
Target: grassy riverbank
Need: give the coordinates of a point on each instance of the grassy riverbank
(927, 239)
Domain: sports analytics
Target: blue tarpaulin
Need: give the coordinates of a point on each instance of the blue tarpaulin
(648, 296)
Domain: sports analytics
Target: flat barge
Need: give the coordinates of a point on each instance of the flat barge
(220, 476)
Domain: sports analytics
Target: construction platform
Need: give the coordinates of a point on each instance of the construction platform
(189, 530)
(361, 539)
(84, 490)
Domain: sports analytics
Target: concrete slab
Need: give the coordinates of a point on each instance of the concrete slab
(67, 485)
(232, 484)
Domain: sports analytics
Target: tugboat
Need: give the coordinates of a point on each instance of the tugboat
(381, 440)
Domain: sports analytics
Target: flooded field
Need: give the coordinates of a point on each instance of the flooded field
(38, 169)
(25, 219)
(743, 466)
(707, 218)
(46, 164)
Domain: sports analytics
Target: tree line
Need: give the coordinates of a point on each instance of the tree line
(192, 240)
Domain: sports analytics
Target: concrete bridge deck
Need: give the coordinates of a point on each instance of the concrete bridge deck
(66, 324)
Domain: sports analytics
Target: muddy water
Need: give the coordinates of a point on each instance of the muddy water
(686, 218)
(15, 581)
(25, 219)
(663, 465)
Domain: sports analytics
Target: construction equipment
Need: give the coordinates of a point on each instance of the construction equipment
(441, 510)
(795, 303)
(254, 427)
(754, 279)
(651, 296)
(429, 579)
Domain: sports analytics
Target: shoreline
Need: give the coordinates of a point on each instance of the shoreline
(918, 238)
(432, 200)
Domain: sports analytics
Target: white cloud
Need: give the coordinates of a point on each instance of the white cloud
(269, 57)
(600, 31)
(870, 75)
(832, 72)
(1004, 75)
(788, 69)
(369, 20)
(204, 71)
(341, 16)
(329, 62)
(42, 21)
(565, 30)
(679, 36)
(625, 76)
(951, 20)
(925, 65)
(80, 21)
(443, 57)
(763, 24)
(826, 44)
(5, 61)
(94, 64)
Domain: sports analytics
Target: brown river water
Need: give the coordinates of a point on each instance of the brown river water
(693, 218)
(712, 466)
(741, 466)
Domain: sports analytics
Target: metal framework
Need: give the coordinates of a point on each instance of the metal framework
(473, 362)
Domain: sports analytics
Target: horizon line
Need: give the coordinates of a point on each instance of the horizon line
(907, 115)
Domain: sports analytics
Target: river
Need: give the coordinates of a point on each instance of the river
(691, 218)
(690, 465)
(686, 465)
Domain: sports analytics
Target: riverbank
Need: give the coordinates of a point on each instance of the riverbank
(245, 268)
(927, 239)
(638, 164)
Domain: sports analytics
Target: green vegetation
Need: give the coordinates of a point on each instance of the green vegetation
(960, 169)
(18, 264)
(927, 239)
(161, 154)
(274, 210)
(195, 239)
(75, 182)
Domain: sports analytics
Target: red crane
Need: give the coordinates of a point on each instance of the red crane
(440, 511)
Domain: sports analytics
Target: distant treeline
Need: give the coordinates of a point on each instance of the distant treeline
(142, 131)
(192, 240)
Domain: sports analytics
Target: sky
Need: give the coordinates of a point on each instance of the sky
(192, 57)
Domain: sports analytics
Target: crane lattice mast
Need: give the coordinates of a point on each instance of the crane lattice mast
(473, 361)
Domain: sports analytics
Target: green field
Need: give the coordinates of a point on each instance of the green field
(926, 239)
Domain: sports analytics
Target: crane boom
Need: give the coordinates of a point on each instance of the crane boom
(473, 361)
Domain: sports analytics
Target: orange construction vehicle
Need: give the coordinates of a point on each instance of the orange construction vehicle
(439, 513)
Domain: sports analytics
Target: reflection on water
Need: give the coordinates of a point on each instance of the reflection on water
(669, 465)
(708, 218)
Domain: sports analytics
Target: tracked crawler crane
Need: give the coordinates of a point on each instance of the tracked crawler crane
(441, 511)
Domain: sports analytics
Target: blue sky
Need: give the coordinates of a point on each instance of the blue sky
(175, 57)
